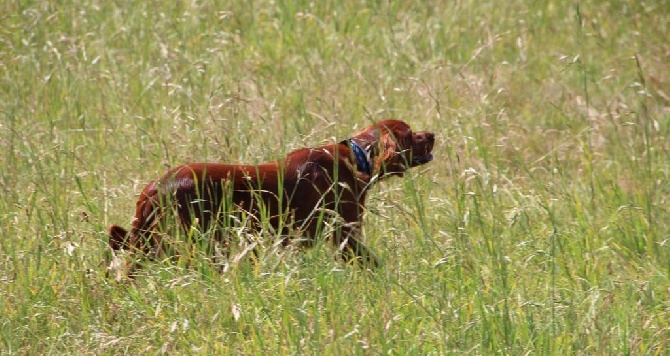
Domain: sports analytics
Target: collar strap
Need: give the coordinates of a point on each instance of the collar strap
(362, 156)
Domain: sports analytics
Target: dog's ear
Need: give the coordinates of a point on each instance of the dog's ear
(386, 145)
(118, 237)
(390, 159)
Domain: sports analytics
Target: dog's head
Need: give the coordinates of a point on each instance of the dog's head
(395, 148)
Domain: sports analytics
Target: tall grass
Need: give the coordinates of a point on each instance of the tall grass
(539, 228)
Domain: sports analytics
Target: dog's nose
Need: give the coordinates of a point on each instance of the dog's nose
(426, 136)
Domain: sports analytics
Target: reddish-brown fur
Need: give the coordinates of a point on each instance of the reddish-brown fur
(295, 190)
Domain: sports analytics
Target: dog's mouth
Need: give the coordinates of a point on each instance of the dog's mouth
(417, 161)
(423, 149)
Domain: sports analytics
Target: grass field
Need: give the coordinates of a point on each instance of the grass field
(542, 226)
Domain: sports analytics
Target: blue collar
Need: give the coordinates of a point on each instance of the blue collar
(362, 158)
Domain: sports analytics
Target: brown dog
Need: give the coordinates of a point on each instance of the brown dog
(292, 193)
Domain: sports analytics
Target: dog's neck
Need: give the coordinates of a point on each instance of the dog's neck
(362, 155)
